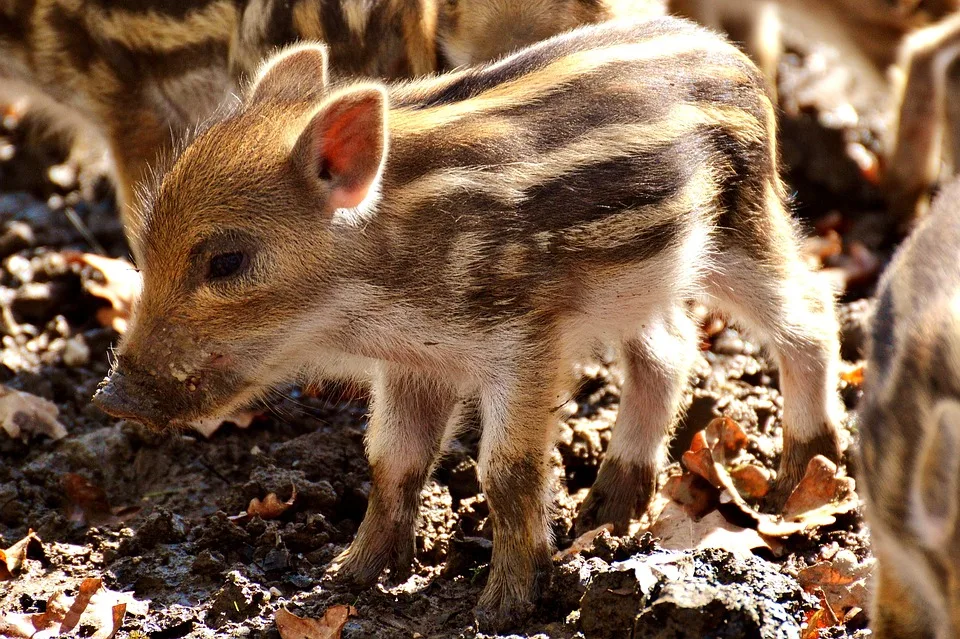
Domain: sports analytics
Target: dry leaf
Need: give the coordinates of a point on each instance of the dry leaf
(87, 503)
(583, 542)
(751, 481)
(699, 460)
(290, 626)
(678, 531)
(819, 487)
(853, 375)
(842, 580)
(722, 433)
(120, 286)
(22, 414)
(816, 621)
(207, 427)
(94, 607)
(11, 559)
(693, 493)
(270, 508)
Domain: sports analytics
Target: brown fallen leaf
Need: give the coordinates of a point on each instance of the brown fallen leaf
(678, 531)
(207, 427)
(119, 284)
(11, 559)
(23, 414)
(695, 494)
(699, 459)
(290, 626)
(270, 508)
(820, 496)
(87, 503)
(816, 621)
(94, 607)
(843, 581)
(726, 435)
(853, 375)
(751, 481)
(819, 487)
(583, 542)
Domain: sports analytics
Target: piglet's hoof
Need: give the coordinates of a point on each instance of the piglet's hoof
(503, 618)
(346, 573)
(511, 594)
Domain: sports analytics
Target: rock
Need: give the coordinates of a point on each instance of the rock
(209, 563)
(690, 595)
(15, 236)
(237, 600)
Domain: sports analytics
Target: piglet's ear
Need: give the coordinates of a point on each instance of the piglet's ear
(296, 73)
(343, 147)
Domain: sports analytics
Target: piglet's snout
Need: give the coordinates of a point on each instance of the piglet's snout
(131, 395)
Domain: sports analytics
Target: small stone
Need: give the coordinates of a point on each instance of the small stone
(63, 175)
(75, 352)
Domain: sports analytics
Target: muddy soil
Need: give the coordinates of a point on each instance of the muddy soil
(167, 533)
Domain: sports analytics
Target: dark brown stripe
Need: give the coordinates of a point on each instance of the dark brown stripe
(178, 9)
(883, 334)
(597, 191)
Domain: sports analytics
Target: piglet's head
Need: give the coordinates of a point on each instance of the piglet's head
(239, 245)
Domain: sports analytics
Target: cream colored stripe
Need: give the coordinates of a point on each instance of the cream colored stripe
(158, 32)
(306, 21)
(538, 85)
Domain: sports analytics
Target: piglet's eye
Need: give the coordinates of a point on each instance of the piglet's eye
(226, 264)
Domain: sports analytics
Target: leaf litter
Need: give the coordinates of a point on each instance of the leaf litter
(330, 626)
(23, 414)
(11, 559)
(94, 609)
(714, 475)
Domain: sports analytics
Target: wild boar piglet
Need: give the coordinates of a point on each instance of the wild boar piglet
(471, 235)
(909, 424)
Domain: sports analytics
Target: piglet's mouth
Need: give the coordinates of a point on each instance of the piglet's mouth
(118, 397)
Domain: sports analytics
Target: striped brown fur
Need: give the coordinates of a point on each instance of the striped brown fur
(472, 31)
(473, 234)
(135, 75)
(909, 424)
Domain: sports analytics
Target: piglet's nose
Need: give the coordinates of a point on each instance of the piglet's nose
(120, 396)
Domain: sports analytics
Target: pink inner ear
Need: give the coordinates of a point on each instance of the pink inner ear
(351, 144)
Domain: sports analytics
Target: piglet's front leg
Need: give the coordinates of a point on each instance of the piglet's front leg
(519, 422)
(409, 414)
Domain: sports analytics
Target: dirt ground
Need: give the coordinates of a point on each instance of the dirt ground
(155, 515)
